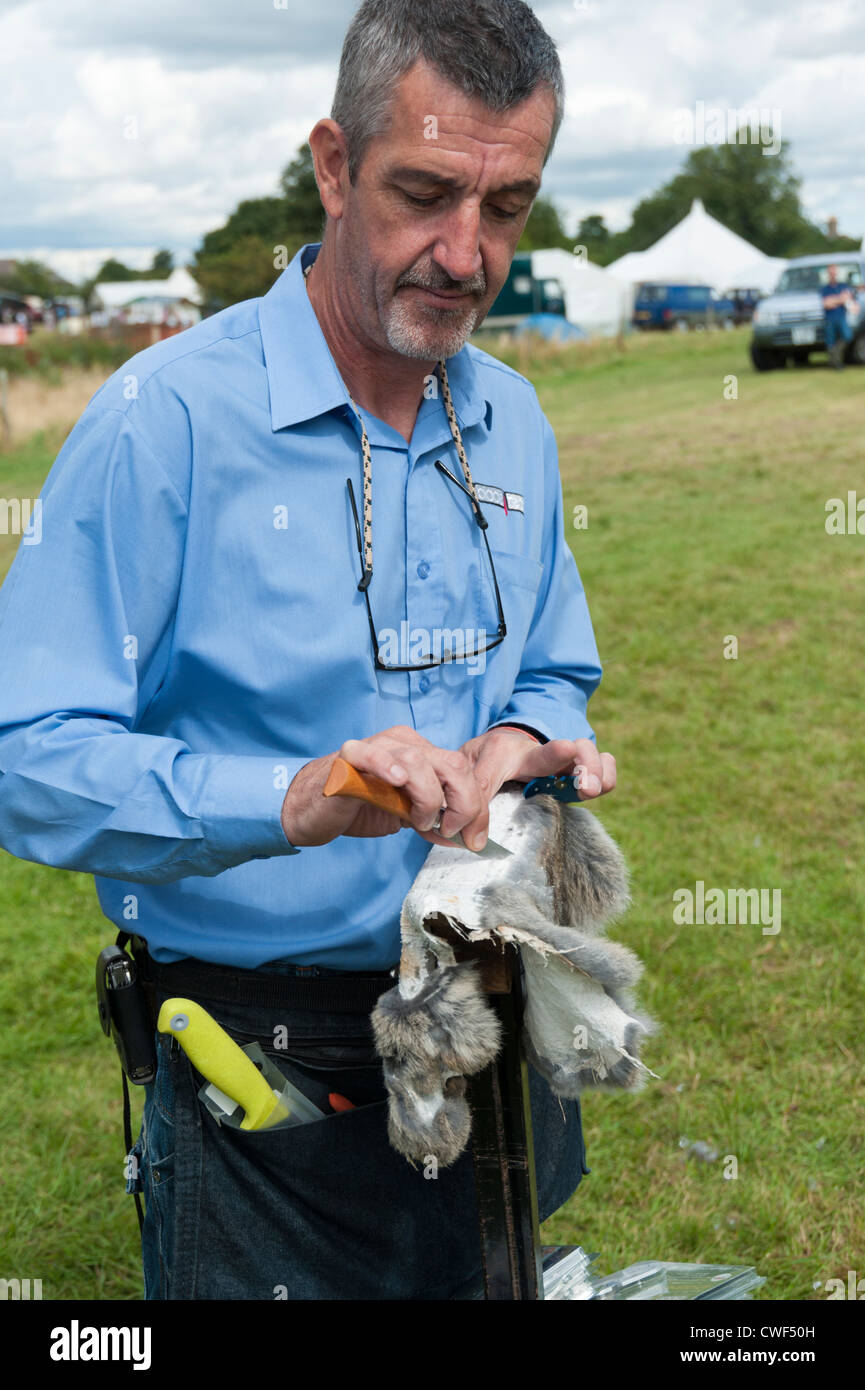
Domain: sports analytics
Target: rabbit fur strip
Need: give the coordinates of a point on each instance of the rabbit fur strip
(564, 880)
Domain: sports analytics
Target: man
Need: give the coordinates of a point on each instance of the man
(194, 648)
(837, 327)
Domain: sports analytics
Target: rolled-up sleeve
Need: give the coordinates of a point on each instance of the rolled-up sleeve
(86, 622)
(560, 668)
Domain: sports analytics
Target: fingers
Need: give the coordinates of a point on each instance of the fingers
(597, 771)
(468, 810)
(401, 764)
(431, 777)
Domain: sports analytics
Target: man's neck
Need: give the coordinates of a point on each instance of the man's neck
(386, 383)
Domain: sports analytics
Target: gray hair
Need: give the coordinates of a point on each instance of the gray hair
(496, 50)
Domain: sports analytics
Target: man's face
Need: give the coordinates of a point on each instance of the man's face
(430, 227)
(833, 274)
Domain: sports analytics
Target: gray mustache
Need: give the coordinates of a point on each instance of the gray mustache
(470, 288)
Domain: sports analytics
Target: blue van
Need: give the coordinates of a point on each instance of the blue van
(681, 306)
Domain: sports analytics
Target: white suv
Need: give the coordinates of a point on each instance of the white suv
(789, 324)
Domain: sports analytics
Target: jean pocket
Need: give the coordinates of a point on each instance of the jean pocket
(334, 1090)
(345, 1068)
(158, 1233)
(163, 1085)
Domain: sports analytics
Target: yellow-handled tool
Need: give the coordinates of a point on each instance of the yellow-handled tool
(223, 1062)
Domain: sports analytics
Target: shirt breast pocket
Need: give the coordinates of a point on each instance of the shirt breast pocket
(519, 578)
(518, 571)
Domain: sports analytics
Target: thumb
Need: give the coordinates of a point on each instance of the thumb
(520, 760)
(546, 759)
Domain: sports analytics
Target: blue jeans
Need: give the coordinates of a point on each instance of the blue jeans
(325, 1210)
(836, 328)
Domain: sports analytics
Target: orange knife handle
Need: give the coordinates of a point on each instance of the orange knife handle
(345, 780)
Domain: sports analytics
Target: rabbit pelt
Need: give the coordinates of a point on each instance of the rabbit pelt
(563, 882)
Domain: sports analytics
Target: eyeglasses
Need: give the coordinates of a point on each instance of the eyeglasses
(366, 576)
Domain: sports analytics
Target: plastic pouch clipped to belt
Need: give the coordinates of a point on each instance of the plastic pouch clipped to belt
(243, 1088)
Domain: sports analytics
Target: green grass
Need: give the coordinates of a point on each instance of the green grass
(705, 519)
(47, 353)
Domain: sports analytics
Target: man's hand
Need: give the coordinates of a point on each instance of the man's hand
(431, 776)
(465, 779)
(502, 755)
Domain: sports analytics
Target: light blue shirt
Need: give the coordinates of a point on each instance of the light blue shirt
(188, 631)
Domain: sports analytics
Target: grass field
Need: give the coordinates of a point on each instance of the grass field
(705, 521)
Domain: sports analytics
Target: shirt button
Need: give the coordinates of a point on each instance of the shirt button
(423, 569)
(423, 684)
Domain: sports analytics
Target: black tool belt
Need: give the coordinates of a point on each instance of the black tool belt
(227, 984)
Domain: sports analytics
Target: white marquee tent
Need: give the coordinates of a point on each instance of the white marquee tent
(762, 274)
(700, 250)
(116, 294)
(595, 300)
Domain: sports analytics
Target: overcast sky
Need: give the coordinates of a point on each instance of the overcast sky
(125, 127)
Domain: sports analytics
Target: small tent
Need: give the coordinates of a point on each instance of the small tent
(178, 287)
(595, 300)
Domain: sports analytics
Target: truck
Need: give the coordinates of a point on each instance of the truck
(524, 293)
(789, 325)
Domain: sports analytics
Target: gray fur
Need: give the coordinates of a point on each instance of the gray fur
(428, 1114)
(612, 965)
(584, 866)
(571, 1082)
(447, 1031)
(448, 1024)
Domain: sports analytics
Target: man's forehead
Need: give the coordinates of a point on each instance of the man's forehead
(428, 111)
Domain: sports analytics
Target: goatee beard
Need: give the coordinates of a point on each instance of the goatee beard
(428, 341)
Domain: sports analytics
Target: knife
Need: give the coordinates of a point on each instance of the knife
(561, 786)
(345, 780)
(265, 1097)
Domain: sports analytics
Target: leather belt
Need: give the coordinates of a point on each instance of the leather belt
(227, 984)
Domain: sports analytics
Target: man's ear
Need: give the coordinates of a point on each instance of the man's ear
(330, 158)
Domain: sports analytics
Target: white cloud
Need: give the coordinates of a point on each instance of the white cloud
(223, 92)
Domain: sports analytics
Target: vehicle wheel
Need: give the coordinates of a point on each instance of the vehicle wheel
(856, 351)
(681, 325)
(766, 359)
(800, 359)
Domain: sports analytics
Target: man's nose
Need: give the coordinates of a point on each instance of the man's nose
(458, 248)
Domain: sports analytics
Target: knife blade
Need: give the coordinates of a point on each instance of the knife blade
(345, 780)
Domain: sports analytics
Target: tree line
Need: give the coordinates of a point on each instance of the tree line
(754, 195)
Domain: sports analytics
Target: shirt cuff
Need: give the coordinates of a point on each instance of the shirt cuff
(240, 806)
(547, 720)
(512, 724)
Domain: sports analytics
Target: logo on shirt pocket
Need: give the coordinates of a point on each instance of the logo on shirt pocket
(508, 501)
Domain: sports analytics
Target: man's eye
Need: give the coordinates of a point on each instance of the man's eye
(503, 214)
(419, 202)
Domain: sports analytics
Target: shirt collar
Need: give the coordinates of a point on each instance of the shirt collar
(303, 379)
